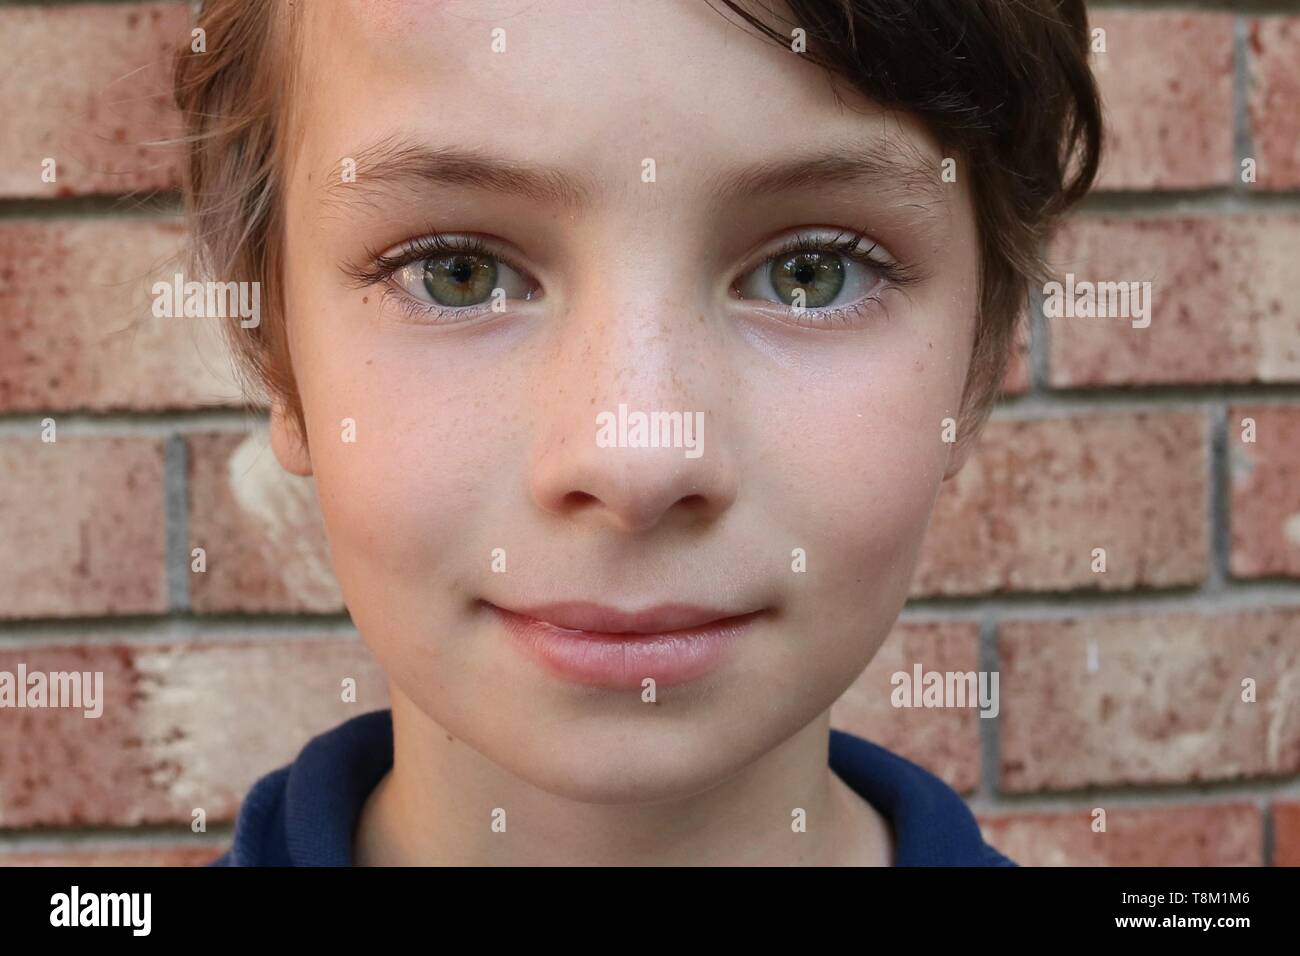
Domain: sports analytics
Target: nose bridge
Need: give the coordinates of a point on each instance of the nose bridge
(627, 422)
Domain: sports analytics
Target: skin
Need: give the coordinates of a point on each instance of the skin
(481, 434)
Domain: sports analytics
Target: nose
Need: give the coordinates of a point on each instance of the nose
(634, 431)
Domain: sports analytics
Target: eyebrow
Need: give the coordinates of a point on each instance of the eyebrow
(396, 163)
(399, 163)
(880, 164)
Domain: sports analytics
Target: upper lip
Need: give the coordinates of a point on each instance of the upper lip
(602, 619)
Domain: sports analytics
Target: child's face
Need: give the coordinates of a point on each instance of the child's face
(478, 431)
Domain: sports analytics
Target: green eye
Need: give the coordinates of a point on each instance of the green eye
(460, 280)
(819, 275)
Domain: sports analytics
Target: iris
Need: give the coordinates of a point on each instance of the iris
(460, 280)
(820, 275)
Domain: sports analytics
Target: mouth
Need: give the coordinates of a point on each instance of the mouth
(604, 646)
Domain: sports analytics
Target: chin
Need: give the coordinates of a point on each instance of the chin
(625, 766)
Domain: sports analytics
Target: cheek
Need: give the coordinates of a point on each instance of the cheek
(401, 450)
(861, 468)
(862, 462)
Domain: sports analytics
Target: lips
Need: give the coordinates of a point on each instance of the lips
(594, 644)
(599, 619)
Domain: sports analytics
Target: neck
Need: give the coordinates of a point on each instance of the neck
(444, 803)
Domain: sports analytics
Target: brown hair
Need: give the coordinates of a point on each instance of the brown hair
(235, 104)
(1003, 84)
(1006, 85)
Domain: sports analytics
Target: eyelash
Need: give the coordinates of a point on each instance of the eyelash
(894, 275)
(429, 246)
(434, 244)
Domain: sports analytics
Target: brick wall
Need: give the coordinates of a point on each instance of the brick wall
(1120, 690)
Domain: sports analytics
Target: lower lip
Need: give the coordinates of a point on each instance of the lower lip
(623, 661)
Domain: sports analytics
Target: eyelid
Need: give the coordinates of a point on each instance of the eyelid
(852, 316)
(853, 244)
(426, 313)
(856, 246)
(380, 266)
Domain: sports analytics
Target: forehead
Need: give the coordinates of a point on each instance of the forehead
(570, 83)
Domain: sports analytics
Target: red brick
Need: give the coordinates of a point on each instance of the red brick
(943, 740)
(76, 316)
(89, 86)
(1037, 496)
(142, 855)
(1222, 307)
(1166, 83)
(83, 520)
(1274, 92)
(1265, 488)
(1163, 705)
(261, 528)
(1201, 834)
(184, 726)
(1286, 833)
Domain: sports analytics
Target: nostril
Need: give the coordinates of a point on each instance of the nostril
(578, 499)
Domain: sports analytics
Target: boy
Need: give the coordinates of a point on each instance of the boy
(621, 342)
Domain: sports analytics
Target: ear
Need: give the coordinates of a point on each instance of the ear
(957, 458)
(958, 452)
(289, 444)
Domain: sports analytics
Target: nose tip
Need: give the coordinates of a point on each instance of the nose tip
(633, 489)
(632, 513)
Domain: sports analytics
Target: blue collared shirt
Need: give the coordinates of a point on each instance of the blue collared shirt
(304, 814)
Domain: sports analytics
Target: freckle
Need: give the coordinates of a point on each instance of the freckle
(449, 737)
(365, 300)
(929, 345)
(370, 361)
